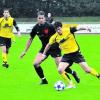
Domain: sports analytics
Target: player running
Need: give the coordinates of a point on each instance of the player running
(6, 33)
(44, 31)
(67, 42)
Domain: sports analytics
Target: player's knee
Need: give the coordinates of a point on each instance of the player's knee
(4, 50)
(60, 70)
(87, 70)
(36, 65)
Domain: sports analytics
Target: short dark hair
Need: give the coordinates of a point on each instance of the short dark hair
(6, 9)
(57, 24)
(41, 13)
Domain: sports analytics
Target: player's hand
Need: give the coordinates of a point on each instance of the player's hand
(88, 29)
(22, 55)
(19, 34)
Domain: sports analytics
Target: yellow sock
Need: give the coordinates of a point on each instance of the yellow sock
(65, 77)
(4, 57)
(94, 72)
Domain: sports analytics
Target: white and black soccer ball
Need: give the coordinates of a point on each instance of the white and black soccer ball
(59, 85)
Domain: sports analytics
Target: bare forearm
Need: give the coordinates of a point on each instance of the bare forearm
(83, 28)
(28, 44)
(27, 47)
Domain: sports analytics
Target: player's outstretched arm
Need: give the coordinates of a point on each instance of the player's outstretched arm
(26, 48)
(17, 28)
(83, 28)
(19, 33)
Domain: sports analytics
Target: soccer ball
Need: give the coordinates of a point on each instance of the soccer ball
(59, 85)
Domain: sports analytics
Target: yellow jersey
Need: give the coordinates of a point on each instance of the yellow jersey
(6, 27)
(66, 41)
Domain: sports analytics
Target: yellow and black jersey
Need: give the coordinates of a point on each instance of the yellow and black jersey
(66, 40)
(6, 27)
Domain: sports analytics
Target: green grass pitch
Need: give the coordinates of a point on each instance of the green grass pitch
(20, 81)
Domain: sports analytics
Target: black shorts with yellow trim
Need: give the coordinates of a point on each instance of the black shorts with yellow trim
(5, 42)
(76, 57)
(53, 52)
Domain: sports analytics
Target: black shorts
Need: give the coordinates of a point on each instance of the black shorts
(53, 52)
(73, 57)
(5, 42)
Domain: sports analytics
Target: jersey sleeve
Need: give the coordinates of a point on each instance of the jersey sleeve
(33, 32)
(73, 29)
(15, 25)
(52, 40)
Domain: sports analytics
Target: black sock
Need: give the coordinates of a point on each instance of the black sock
(39, 71)
(68, 70)
(68, 76)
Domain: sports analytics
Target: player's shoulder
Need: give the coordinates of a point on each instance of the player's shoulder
(35, 26)
(55, 35)
(66, 29)
(48, 24)
(11, 17)
(51, 26)
(1, 18)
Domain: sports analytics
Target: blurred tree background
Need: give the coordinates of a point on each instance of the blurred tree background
(58, 8)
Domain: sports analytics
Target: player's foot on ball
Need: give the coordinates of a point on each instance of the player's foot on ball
(5, 64)
(76, 77)
(44, 81)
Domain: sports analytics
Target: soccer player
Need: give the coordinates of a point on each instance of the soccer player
(70, 48)
(6, 33)
(44, 31)
(49, 18)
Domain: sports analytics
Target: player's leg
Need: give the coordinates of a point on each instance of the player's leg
(61, 69)
(7, 50)
(68, 70)
(38, 68)
(4, 57)
(7, 47)
(78, 58)
(74, 73)
(57, 61)
(88, 69)
(4, 54)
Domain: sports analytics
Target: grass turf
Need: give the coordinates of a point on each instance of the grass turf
(20, 81)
